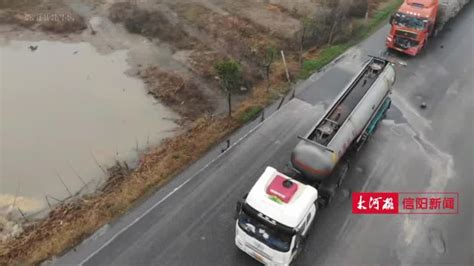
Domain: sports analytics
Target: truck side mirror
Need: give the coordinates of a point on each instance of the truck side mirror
(238, 208)
(392, 17)
(298, 240)
(239, 204)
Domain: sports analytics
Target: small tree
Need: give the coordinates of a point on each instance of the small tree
(230, 76)
(267, 61)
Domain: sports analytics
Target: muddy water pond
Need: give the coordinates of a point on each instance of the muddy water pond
(65, 109)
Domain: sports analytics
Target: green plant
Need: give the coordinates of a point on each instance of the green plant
(230, 77)
(267, 61)
(325, 56)
(250, 114)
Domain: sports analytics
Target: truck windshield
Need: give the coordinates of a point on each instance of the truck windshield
(274, 236)
(405, 20)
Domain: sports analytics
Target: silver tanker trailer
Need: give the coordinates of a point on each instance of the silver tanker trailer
(347, 124)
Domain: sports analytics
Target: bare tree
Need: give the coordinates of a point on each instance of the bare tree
(307, 24)
(267, 61)
(337, 16)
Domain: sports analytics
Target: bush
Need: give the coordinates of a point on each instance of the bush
(250, 114)
(325, 56)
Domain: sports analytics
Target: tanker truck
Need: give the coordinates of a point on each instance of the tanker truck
(346, 125)
(273, 219)
(417, 20)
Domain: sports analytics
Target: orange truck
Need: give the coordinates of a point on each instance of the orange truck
(412, 25)
(417, 20)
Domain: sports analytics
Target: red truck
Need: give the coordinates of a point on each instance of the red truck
(412, 24)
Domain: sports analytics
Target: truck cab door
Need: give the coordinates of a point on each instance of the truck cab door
(298, 245)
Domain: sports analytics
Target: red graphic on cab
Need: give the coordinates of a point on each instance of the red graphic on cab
(405, 202)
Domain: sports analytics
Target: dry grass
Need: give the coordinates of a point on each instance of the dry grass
(239, 37)
(151, 23)
(183, 95)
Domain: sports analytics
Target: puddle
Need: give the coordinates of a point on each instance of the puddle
(64, 107)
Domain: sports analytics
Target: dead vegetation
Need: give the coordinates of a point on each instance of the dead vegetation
(150, 23)
(182, 95)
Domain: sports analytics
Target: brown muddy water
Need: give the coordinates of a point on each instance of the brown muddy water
(65, 109)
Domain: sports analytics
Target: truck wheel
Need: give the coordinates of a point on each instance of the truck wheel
(327, 192)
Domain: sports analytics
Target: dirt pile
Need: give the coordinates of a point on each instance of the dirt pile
(182, 95)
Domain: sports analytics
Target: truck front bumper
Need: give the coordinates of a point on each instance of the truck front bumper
(414, 50)
(244, 243)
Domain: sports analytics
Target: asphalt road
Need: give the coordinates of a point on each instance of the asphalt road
(190, 221)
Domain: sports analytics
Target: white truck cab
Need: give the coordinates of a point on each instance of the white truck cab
(274, 218)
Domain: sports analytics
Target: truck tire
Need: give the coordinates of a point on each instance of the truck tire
(322, 203)
(327, 192)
